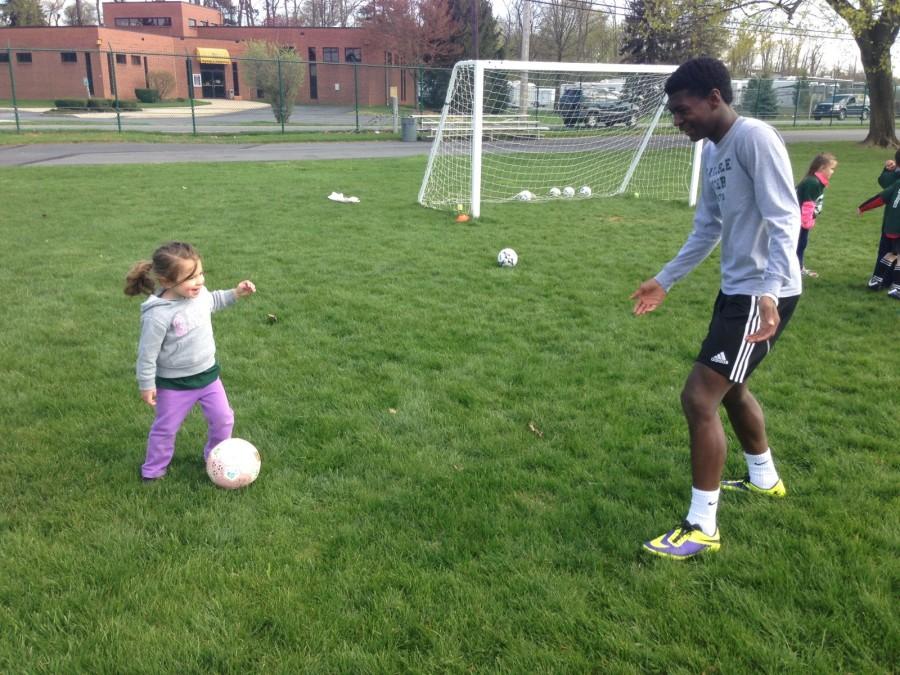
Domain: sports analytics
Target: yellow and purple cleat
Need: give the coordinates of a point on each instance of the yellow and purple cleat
(685, 541)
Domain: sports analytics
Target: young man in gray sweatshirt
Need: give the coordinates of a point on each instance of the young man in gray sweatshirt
(749, 205)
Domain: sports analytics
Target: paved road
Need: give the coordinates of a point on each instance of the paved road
(152, 153)
(57, 154)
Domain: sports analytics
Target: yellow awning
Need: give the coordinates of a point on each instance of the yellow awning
(213, 55)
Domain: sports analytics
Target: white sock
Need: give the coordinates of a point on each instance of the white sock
(762, 469)
(703, 510)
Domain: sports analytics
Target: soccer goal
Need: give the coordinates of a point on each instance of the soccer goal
(529, 130)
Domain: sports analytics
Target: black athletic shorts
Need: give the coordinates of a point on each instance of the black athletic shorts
(725, 348)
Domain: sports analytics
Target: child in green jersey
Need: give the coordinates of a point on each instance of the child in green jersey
(810, 194)
(885, 261)
(887, 267)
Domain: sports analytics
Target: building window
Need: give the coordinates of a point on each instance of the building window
(144, 21)
(204, 23)
(135, 60)
(4, 57)
(23, 57)
(68, 57)
(192, 23)
(353, 55)
(331, 55)
(120, 59)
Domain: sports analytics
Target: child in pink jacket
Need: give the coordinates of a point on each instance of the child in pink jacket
(810, 194)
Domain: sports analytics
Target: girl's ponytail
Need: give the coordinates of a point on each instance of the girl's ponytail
(140, 279)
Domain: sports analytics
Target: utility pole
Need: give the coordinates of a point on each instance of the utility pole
(526, 47)
(476, 6)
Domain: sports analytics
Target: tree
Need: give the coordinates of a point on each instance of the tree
(278, 72)
(875, 24)
(340, 13)
(53, 10)
(671, 31)
(556, 25)
(163, 81)
(86, 17)
(419, 31)
(23, 13)
(759, 98)
(741, 53)
(469, 14)
(228, 9)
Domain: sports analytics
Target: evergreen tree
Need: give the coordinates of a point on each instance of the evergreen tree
(23, 13)
(759, 99)
(490, 44)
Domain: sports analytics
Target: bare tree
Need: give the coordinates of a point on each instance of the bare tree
(812, 59)
(556, 29)
(328, 13)
(54, 11)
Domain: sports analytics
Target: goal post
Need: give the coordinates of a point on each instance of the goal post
(583, 125)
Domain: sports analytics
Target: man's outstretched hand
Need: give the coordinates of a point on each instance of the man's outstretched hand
(649, 296)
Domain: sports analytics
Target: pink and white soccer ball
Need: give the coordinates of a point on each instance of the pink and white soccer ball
(233, 463)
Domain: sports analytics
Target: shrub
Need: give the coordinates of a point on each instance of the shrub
(70, 103)
(128, 105)
(96, 103)
(147, 95)
(161, 80)
(278, 72)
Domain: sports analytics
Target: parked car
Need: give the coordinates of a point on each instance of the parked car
(575, 107)
(842, 106)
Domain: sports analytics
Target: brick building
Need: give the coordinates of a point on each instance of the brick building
(344, 65)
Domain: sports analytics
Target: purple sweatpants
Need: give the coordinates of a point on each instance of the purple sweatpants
(172, 406)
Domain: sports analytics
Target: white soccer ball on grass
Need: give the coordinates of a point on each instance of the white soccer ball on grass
(233, 463)
(525, 196)
(507, 258)
(555, 192)
(568, 191)
(585, 191)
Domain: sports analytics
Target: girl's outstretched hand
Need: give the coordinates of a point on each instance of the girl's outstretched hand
(246, 287)
(148, 396)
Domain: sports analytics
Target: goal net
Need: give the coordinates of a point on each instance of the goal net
(528, 130)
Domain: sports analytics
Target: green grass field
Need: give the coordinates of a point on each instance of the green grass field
(406, 518)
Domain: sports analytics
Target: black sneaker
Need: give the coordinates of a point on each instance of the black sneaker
(874, 283)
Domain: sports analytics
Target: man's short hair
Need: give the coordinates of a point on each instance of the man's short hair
(699, 76)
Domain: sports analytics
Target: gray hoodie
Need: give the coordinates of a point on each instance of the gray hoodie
(177, 336)
(748, 202)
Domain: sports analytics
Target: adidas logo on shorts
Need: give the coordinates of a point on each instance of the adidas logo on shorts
(720, 358)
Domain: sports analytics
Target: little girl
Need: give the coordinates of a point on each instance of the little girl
(176, 364)
(810, 194)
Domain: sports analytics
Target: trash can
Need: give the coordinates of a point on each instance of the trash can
(408, 129)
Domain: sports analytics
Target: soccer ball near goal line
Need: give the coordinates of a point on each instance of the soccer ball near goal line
(233, 463)
(507, 258)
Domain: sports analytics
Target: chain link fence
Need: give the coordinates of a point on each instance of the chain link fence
(42, 89)
(214, 93)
